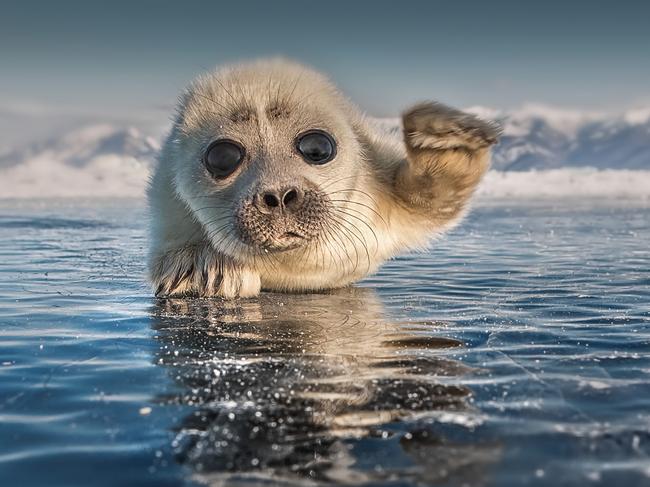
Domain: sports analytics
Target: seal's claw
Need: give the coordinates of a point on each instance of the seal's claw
(201, 272)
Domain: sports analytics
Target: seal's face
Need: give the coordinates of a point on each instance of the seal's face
(274, 213)
(266, 160)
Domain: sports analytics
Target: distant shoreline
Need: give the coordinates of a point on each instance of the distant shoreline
(84, 183)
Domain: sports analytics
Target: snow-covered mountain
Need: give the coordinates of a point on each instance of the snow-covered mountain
(110, 160)
(537, 137)
(543, 138)
(82, 146)
(95, 160)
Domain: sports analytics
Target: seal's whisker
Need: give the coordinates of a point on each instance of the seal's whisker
(330, 232)
(344, 233)
(355, 190)
(365, 206)
(201, 229)
(295, 85)
(203, 208)
(212, 100)
(271, 260)
(227, 91)
(362, 240)
(353, 228)
(213, 233)
(352, 233)
(214, 221)
(207, 196)
(340, 210)
(331, 183)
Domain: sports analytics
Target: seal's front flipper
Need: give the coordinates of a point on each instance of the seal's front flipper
(200, 271)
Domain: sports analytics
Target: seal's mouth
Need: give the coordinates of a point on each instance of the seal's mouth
(266, 239)
(284, 242)
(280, 231)
(292, 235)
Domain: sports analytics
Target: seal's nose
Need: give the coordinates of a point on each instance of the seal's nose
(279, 200)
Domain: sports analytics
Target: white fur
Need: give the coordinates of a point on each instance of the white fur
(386, 196)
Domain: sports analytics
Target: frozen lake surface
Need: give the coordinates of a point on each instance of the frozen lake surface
(515, 352)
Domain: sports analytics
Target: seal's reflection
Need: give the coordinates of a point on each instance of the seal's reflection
(285, 387)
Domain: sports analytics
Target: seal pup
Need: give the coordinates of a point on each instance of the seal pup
(271, 179)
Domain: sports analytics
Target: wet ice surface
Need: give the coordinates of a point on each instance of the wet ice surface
(517, 351)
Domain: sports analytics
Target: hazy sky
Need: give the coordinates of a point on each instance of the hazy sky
(130, 58)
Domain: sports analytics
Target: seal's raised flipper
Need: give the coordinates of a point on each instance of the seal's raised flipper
(447, 155)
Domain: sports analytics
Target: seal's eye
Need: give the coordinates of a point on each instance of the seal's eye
(223, 157)
(316, 147)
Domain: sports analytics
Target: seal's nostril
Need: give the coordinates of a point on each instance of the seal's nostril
(289, 196)
(271, 200)
(277, 201)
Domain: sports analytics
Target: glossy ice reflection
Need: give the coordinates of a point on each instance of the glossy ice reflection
(515, 352)
(280, 383)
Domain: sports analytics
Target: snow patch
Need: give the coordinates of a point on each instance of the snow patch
(561, 119)
(567, 182)
(637, 116)
(103, 176)
(121, 177)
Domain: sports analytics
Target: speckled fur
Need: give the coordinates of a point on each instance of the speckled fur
(378, 197)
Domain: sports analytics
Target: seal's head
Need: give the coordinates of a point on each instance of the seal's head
(262, 155)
